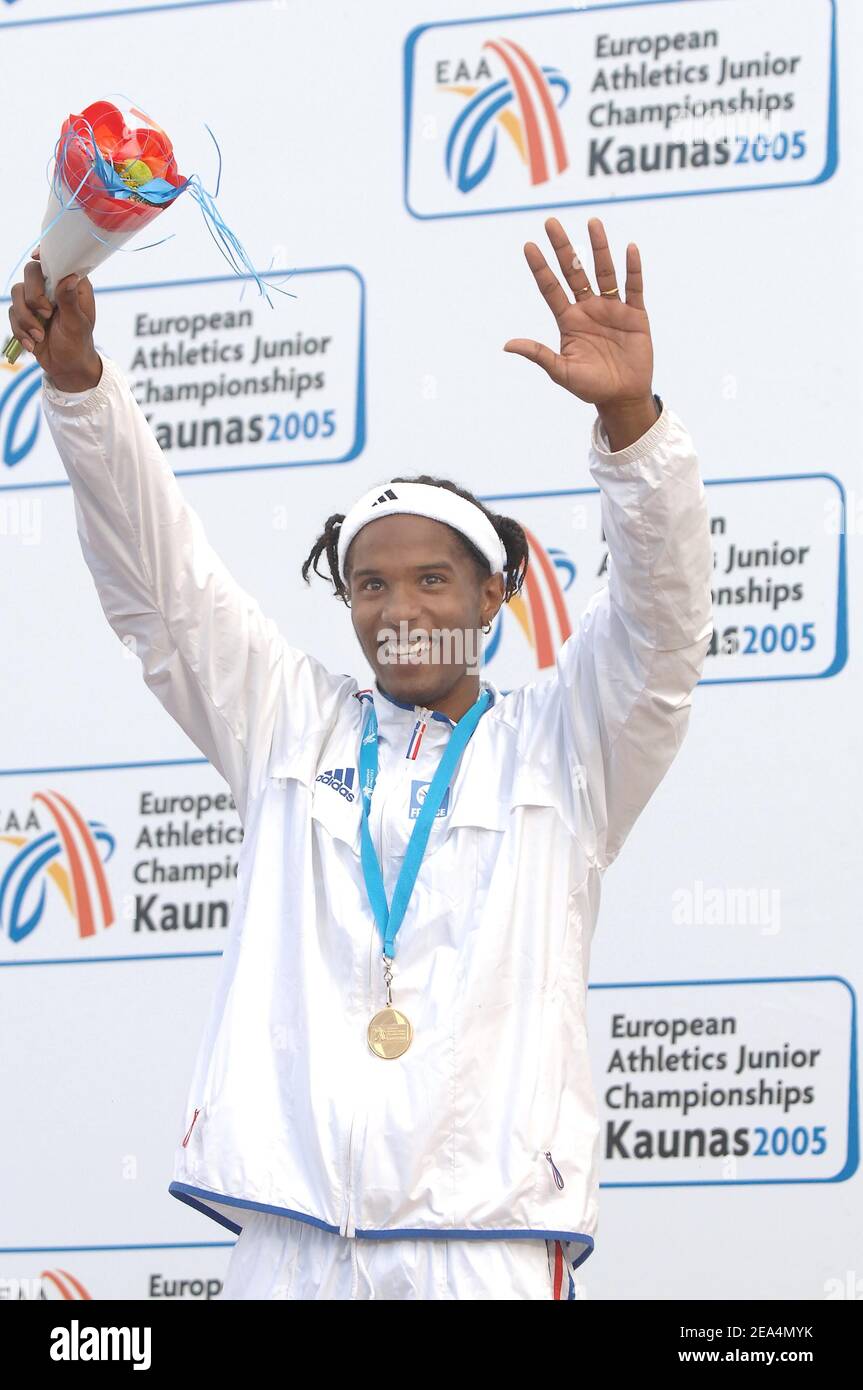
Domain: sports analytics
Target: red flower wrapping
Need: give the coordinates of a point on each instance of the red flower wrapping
(116, 143)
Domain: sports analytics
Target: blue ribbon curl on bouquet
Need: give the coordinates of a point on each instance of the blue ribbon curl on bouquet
(155, 191)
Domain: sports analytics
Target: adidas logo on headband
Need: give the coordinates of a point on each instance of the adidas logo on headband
(437, 503)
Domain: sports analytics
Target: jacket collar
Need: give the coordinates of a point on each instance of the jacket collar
(397, 719)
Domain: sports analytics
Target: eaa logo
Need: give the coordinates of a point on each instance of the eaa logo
(505, 96)
(51, 1285)
(540, 610)
(69, 854)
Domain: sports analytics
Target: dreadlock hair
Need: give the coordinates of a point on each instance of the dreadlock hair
(511, 534)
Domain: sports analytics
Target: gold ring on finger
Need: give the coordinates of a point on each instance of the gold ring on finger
(614, 291)
(582, 289)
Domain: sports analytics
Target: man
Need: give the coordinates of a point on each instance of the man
(392, 1097)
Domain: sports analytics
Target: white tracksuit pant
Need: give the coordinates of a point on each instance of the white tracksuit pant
(277, 1257)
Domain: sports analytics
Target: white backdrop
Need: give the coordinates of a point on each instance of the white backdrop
(361, 151)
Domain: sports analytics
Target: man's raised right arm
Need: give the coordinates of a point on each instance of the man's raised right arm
(217, 664)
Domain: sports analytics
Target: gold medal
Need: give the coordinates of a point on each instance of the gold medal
(390, 1033)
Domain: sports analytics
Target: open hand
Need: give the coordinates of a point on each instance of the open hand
(606, 353)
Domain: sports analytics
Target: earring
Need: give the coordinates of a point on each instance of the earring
(487, 627)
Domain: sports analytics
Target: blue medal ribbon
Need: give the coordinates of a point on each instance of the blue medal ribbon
(389, 919)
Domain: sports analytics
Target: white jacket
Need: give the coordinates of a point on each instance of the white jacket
(488, 1124)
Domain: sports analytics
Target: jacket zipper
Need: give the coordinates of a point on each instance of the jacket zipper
(348, 1228)
(555, 1170)
(416, 738)
(423, 716)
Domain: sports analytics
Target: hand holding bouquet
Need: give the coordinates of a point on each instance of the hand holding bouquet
(114, 173)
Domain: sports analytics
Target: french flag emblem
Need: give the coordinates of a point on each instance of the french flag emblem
(417, 737)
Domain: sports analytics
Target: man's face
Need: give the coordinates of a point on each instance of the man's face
(417, 603)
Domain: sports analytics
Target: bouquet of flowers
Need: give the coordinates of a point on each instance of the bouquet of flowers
(114, 173)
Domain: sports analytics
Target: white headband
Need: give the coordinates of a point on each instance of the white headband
(424, 499)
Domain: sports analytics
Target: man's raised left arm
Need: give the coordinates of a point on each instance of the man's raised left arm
(618, 707)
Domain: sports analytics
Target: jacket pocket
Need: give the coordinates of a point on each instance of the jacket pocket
(547, 1122)
(196, 1115)
(556, 1175)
